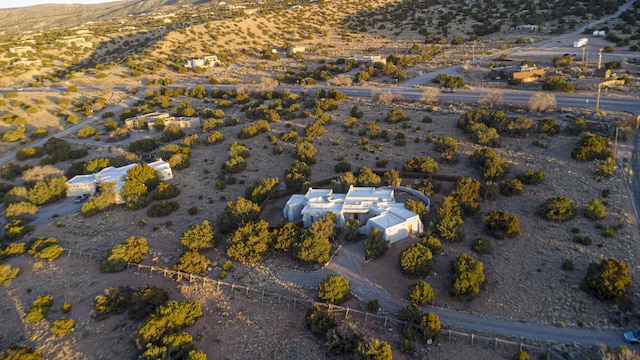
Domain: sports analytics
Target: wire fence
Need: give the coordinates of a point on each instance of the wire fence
(366, 318)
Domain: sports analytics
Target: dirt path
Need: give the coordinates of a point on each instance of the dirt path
(347, 262)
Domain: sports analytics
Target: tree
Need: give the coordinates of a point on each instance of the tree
(416, 260)
(429, 95)
(423, 164)
(285, 236)
(133, 250)
(49, 190)
(342, 339)
(192, 262)
(305, 152)
(418, 207)
(392, 177)
(396, 116)
(249, 242)
(553, 83)
(430, 326)
(297, 175)
(366, 177)
(144, 174)
(521, 355)
(199, 237)
(559, 208)
(319, 321)
(374, 350)
(466, 191)
(167, 319)
(312, 248)
(542, 102)
(237, 213)
(334, 289)
(134, 195)
(501, 224)
(375, 245)
(468, 274)
(448, 223)
(608, 280)
(352, 229)
(420, 292)
(592, 147)
(595, 210)
(261, 189)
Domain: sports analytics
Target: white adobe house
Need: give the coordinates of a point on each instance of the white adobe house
(87, 184)
(374, 207)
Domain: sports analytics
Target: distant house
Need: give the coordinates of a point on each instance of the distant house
(522, 73)
(374, 207)
(369, 60)
(204, 62)
(296, 49)
(87, 184)
(602, 73)
(527, 27)
(181, 122)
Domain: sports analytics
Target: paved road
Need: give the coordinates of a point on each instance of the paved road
(347, 263)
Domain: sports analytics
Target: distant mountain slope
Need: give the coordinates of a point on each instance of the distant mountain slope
(52, 16)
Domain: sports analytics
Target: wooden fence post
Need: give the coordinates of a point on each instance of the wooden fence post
(472, 336)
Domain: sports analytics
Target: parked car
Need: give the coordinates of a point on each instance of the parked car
(632, 336)
(81, 198)
(449, 90)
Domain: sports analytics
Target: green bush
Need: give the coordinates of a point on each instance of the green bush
(312, 247)
(423, 164)
(167, 319)
(375, 246)
(592, 147)
(261, 189)
(466, 191)
(521, 355)
(66, 308)
(567, 265)
(342, 167)
(430, 326)
(468, 274)
(165, 191)
(8, 273)
(23, 210)
(319, 321)
(334, 289)
(192, 262)
(29, 153)
(511, 187)
(16, 229)
(448, 223)
(481, 245)
(374, 349)
(20, 352)
(237, 213)
(342, 339)
(418, 207)
(420, 292)
(46, 248)
(501, 224)
(531, 177)
(607, 280)
(86, 131)
(249, 242)
(432, 242)
(416, 260)
(145, 174)
(13, 249)
(40, 309)
(134, 194)
(559, 208)
(549, 127)
(162, 208)
(62, 327)
(595, 210)
(604, 168)
(199, 237)
(133, 250)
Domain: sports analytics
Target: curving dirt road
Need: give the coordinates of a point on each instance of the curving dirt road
(347, 263)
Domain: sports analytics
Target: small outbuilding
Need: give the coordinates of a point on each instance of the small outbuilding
(80, 185)
(602, 73)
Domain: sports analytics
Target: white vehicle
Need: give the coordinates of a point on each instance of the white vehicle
(449, 90)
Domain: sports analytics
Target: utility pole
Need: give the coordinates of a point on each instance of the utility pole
(615, 147)
(600, 59)
(598, 100)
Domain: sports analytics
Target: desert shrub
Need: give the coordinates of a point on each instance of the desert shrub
(40, 308)
(448, 223)
(410, 313)
(592, 147)
(8, 273)
(373, 305)
(567, 265)
(426, 186)
(607, 280)
(319, 321)
(604, 168)
(162, 208)
(66, 307)
(249, 242)
(13, 249)
(45, 248)
(165, 191)
(420, 292)
(342, 167)
(423, 164)
(374, 349)
(114, 301)
(86, 131)
(49, 190)
(192, 262)
(199, 237)
(23, 210)
(261, 189)
(258, 127)
(143, 145)
(466, 191)
(468, 274)
(430, 325)
(297, 174)
(416, 260)
(553, 83)
(521, 355)
(511, 187)
(167, 319)
(366, 177)
(215, 138)
(342, 339)
(595, 210)
(501, 224)
(145, 301)
(418, 207)
(531, 177)
(29, 153)
(16, 229)
(375, 246)
(559, 208)
(481, 245)
(312, 247)
(432, 242)
(237, 213)
(62, 327)
(396, 116)
(549, 127)
(305, 152)
(134, 195)
(144, 174)
(133, 250)
(334, 289)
